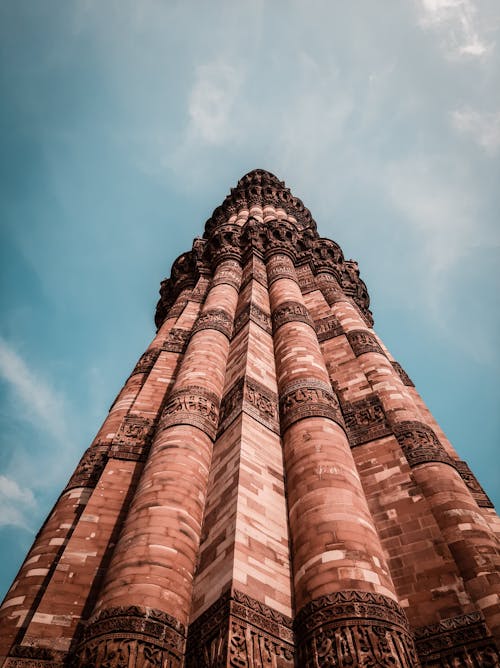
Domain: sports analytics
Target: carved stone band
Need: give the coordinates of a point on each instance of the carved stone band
(133, 438)
(472, 483)
(405, 378)
(363, 341)
(420, 444)
(146, 362)
(278, 268)
(237, 631)
(255, 314)
(457, 641)
(328, 328)
(308, 398)
(354, 628)
(89, 470)
(217, 319)
(193, 405)
(229, 273)
(255, 399)
(177, 340)
(132, 636)
(290, 311)
(365, 420)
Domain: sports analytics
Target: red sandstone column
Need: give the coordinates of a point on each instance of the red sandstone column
(342, 584)
(148, 585)
(30, 614)
(470, 540)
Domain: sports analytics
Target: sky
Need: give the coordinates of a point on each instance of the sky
(124, 124)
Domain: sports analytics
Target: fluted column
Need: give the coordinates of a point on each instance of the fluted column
(341, 579)
(149, 580)
(470, 540)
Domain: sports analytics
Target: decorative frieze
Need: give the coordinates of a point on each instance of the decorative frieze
(405, 378)
(252, 312)
(362, 341)
(129, 637)
(192, 405)
(29, 656)
(457, 641)
(217, 319)
(146, 362)
(253, 398)
(472, 483)
(308, 398)
(365, 420)
(290, 311)
(354, 628)
(307, 281)
(228, 273)
(254, 269)
(91, 465)
(133, 438)
(239, 631)
(278, 267)
(420, 444)
(177, 340)
(328, 328)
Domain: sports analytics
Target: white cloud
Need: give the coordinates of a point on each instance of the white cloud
(16, 504)
(211, 102)
(457, 26)
(41, 405)
(483, 127)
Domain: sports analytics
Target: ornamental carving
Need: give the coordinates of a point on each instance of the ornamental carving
(457, 641)
(30, 656)
(405, 378)
(177, 340)
(280, 267)
(281, 237)
(193, 405)
(327, 257)
(254, 313)
(253, 398)
(354, 628)
(306, 279)
(420, 444)
(228, 273)
(133, 438)
(308, 398)
(363, 341)
(354, 287)
(146, 362)
(239, 631)
(131, 637)
(217, 319)
(472, 483)
(365, 420)
(254, 269)
(290, 311)
(224, 244)
(91, 465)
(328, 328)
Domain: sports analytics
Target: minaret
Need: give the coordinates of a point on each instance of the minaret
(268, 489)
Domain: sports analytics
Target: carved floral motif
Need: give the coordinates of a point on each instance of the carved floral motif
(133, 438)
(472, 483)
(365, 420)
(290, 311)
(362, 341)
(90, 467)
(420, 444)
(192, 405)
(328, 328)
(354, 628)
(252, 397)
(177, 340)
(308, 398)
(217, 319)
(146, 362)
(462, 641)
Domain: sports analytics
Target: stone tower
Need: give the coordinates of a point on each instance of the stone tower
(268, 489)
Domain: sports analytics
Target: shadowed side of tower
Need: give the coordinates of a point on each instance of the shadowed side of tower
(268, 488)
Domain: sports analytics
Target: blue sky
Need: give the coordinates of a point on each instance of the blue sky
(124, 124)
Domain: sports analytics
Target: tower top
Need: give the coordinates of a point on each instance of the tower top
(260, 188)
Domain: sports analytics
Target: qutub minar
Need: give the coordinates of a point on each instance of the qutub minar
(268, 489)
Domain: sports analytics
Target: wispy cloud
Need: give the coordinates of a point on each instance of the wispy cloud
(483, 127)
(457, 26)
(41, 404)
(211, 102)
(16, 504)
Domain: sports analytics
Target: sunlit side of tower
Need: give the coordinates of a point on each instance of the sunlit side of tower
(268, 489)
